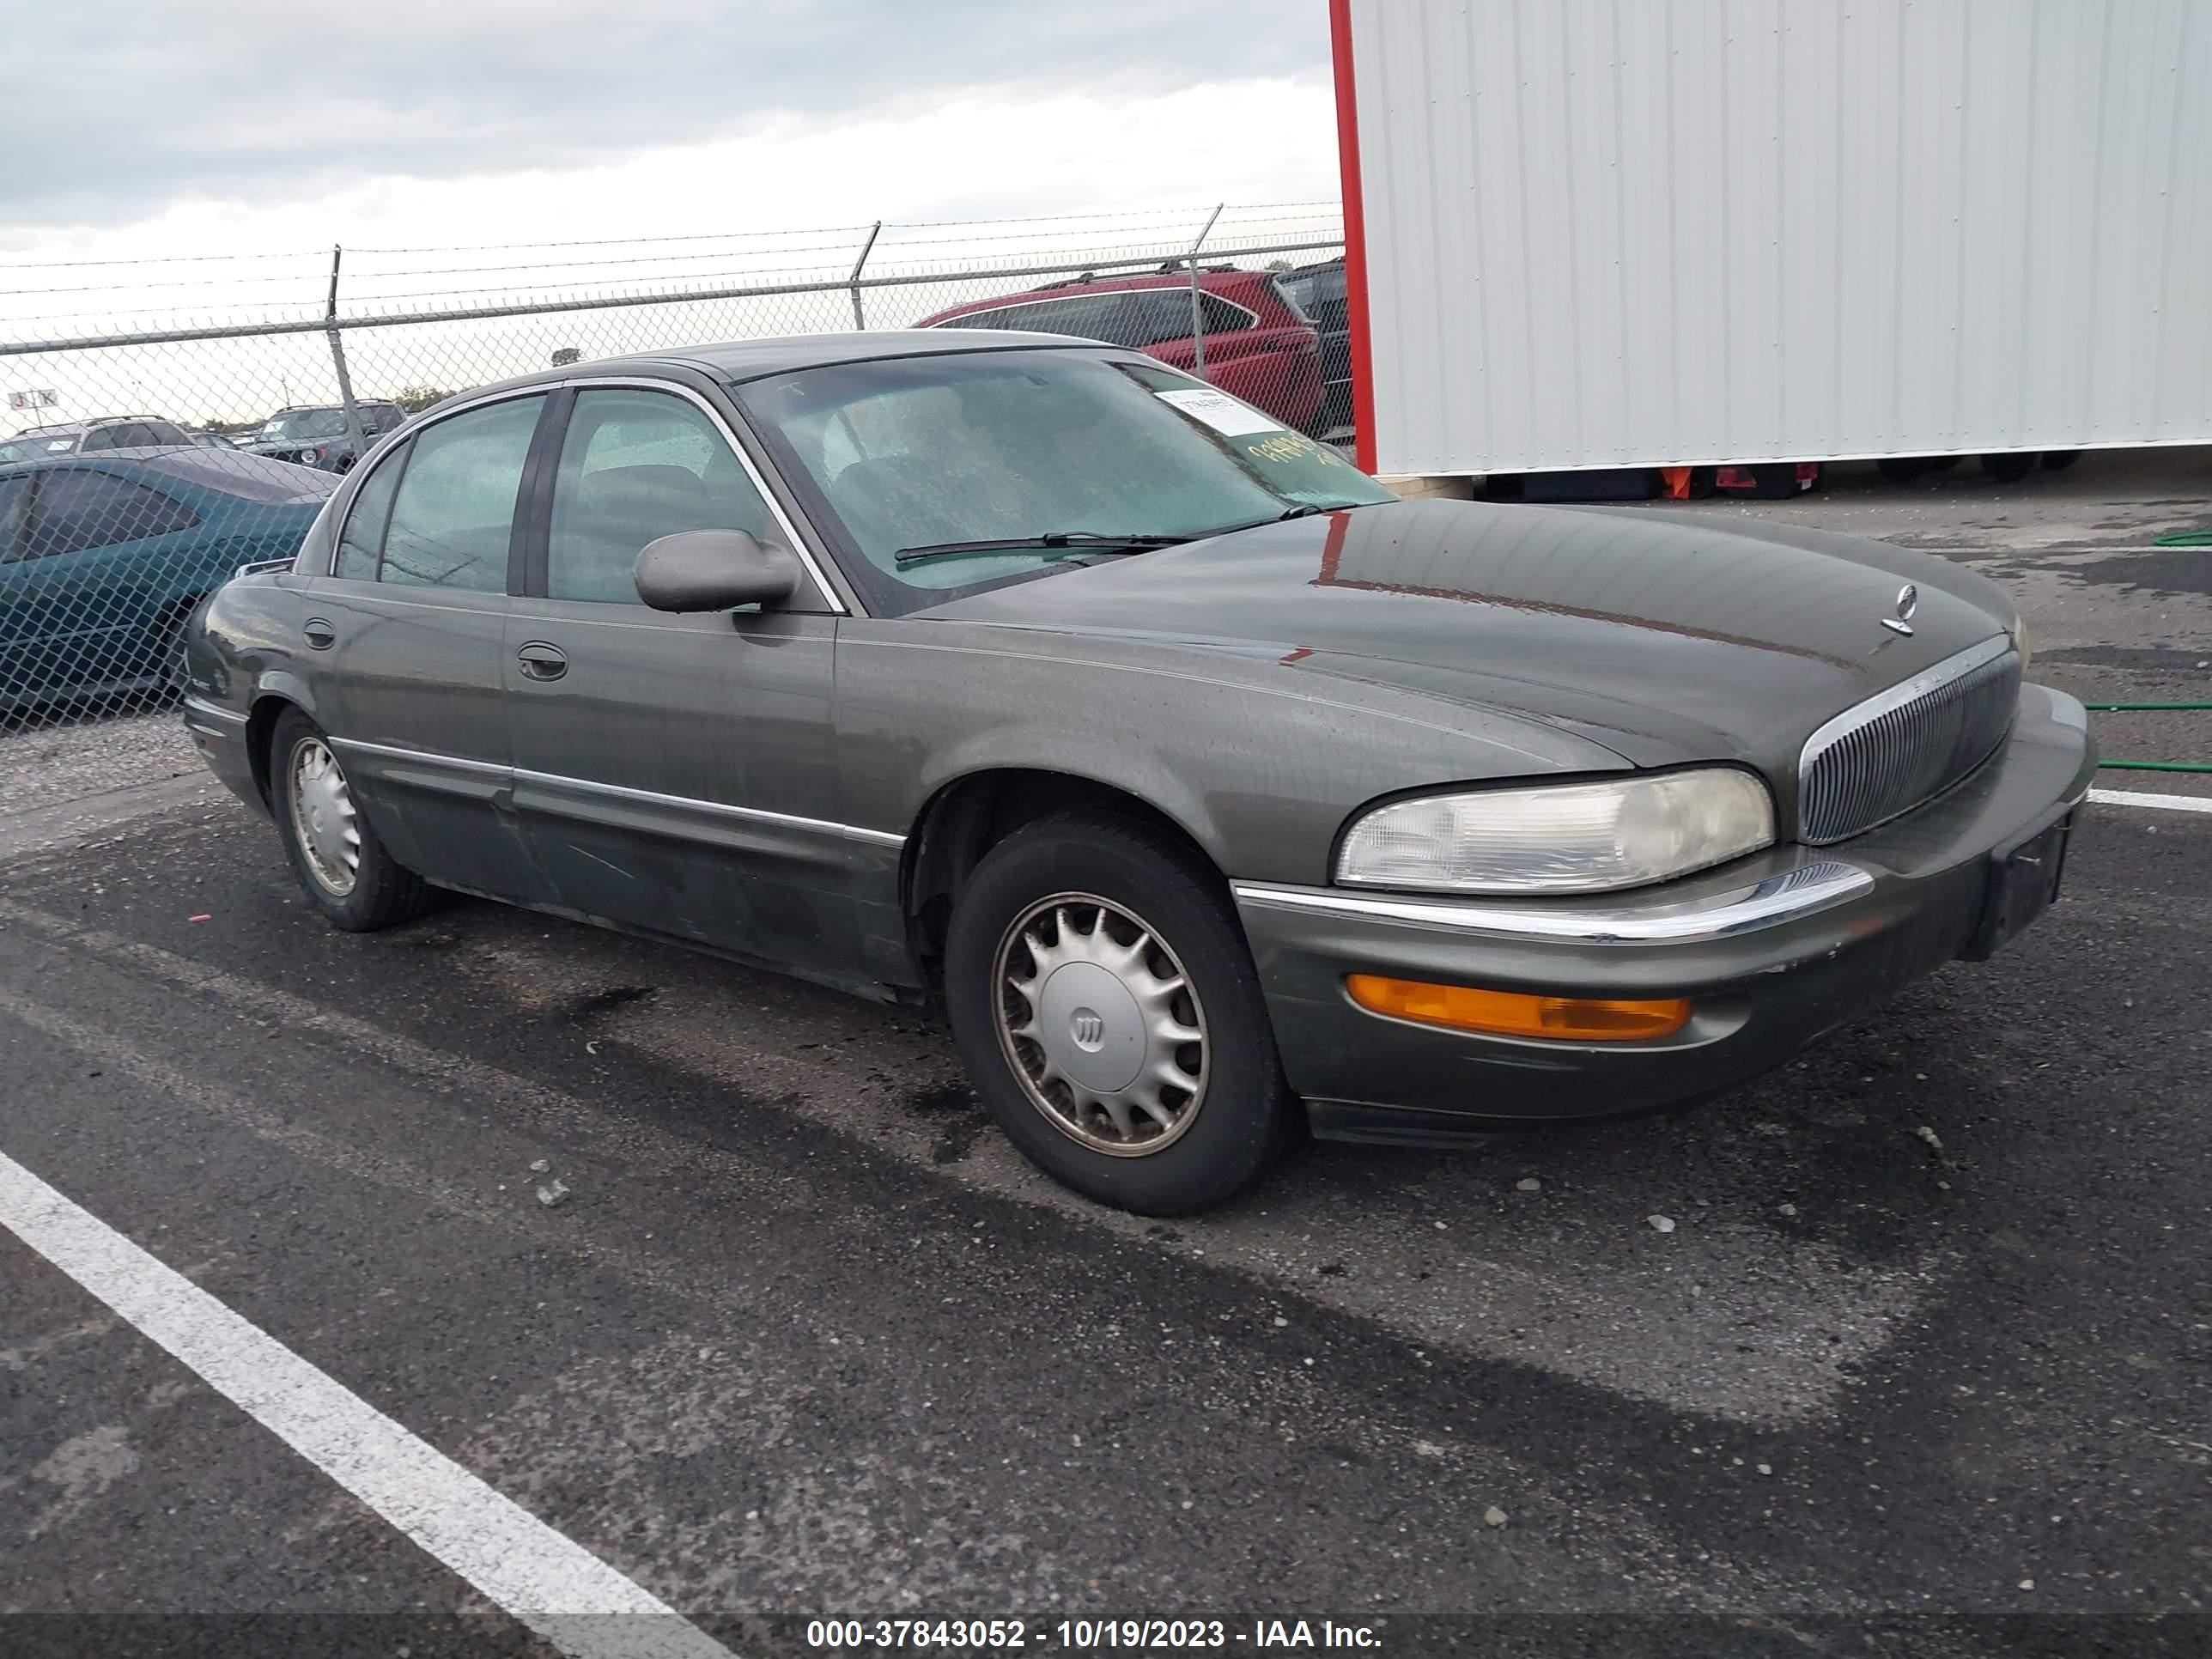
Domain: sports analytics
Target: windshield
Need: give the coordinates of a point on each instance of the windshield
(305, 423)
(923, 452)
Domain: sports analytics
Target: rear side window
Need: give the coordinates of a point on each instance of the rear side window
(15, 496)
(79, 508)
(636, 467)
(361, 544)
(454, 510)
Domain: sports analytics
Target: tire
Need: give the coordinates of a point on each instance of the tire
(1903, 469)
(1774, 481)
(2057, 460)
(1944, 463)
(379, 892)
(2010, 468)
(1063, 883)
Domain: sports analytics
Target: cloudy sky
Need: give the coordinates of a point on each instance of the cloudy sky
(228, 125)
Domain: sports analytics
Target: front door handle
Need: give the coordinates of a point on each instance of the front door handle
(541, 661)
(320, 634)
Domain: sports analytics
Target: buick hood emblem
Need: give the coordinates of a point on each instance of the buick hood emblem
(1908, 601)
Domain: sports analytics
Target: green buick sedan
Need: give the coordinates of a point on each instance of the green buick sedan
(1208, 790)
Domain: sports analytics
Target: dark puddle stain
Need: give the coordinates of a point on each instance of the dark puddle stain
(613, 996)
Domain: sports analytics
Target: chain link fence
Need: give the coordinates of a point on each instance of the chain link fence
(155, 441)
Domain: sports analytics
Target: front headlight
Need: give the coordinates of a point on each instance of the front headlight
(1560, 838)
(2020, 640)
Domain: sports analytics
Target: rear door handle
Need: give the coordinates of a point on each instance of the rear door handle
(320, 634)
(541, 661)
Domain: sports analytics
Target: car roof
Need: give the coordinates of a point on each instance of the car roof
(1231, 281)
(735, 362)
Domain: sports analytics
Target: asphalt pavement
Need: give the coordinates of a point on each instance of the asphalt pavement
(1919, 1365)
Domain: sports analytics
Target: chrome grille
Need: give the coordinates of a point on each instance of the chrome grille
(1912, 743)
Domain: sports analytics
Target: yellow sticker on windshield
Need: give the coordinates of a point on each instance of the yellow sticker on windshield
(1291, 446)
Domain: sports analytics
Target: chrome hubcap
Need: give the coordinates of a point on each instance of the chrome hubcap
(323, 813)
(1101, 1024)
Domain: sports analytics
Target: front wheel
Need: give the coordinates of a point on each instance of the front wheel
(340, 862)
(1107, 1012)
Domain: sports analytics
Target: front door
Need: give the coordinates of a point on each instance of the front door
(675, 773)
(404, 644)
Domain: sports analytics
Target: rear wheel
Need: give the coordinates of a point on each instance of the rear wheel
(1109, 1014)
(2057, 460)
(336, 856)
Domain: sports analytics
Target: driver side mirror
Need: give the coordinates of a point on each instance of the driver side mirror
(713, 570)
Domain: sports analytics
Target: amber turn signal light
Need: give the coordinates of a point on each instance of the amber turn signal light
(1515, 1013)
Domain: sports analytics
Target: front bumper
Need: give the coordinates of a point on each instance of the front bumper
(1775, 951)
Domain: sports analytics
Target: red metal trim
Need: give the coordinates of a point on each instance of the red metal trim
(1355, 234)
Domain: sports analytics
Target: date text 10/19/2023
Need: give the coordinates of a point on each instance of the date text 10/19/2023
(1007, 1635)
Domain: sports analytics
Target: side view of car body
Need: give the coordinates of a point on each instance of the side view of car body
(1257, 345)
(316, 434)
(1208, 786)
(90, 437)
(103, 555)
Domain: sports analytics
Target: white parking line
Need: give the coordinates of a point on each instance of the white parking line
(2164, 803)
(561, 1590)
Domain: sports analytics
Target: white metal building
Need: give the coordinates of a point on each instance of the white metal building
(1608, 232)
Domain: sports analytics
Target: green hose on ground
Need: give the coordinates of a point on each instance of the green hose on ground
(2184, 539)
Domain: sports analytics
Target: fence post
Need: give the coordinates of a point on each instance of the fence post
(354, 435)
(1197, 316)
(859, 318)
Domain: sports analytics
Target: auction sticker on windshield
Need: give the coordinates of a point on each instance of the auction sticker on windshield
(1224, 414)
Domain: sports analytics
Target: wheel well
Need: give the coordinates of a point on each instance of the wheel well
(968, 817)
(260, 723)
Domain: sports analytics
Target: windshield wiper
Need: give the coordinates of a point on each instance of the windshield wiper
(1052, 538)
(1302, 510)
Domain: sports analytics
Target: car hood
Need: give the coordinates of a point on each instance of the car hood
(1666, 636)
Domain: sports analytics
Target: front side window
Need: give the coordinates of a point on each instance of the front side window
(636, 465)
(453, 513)
(914, 453)
(77, 508)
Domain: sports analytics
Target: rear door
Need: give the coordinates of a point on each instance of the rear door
(675, 773)
(403, 641)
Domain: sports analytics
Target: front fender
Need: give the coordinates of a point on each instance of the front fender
(1258, 768)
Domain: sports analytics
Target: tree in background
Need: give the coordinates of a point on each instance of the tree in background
(566, 356)
(416, 398)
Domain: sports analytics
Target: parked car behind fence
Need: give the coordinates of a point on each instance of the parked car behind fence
(102, 556)
(1257, 344)
(317, 436)
(89, 437)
